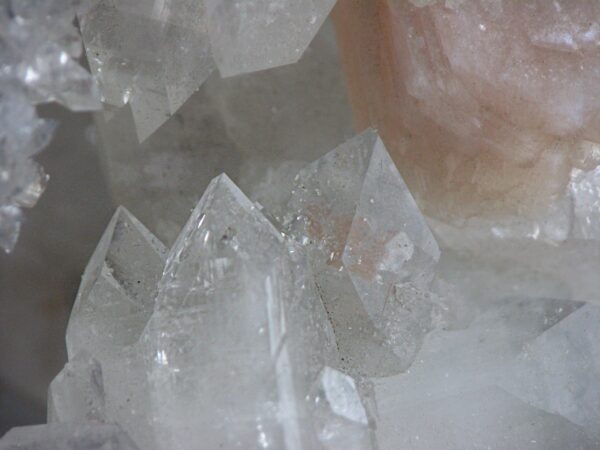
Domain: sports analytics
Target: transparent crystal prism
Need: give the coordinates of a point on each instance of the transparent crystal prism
(365, 236)
(261, 334)
(114, 302)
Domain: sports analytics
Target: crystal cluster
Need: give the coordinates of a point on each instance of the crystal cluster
(333, 323)
(154, 55)
(39, 46)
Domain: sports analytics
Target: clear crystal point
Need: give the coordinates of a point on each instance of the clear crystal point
(261, 334)
(114, 302)
(366, 236)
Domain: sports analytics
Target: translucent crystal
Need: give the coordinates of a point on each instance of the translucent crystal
(558, 371)
(250, 36)
(366, 236)
(38, 47)
(67, 436)
(486, 418)
(481, 103)
(77, 392)
(339, 415)
(246, 126)
(113, 305)
(261, 334)
(153, 59)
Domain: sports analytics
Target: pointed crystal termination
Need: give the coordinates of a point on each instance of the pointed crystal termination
(339, 417)
(77, 392)
(152, 58)
(250, 36)
(364, 254)
(261, 334)
(113, 305)
(67, 436)
(559, 370)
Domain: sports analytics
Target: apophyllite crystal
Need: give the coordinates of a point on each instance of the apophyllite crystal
(154, 55)
(485, 105)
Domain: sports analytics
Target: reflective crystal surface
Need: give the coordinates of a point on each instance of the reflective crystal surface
(154, 56)
(367, 242)
(114, 302)
(261, 334)
(38, 49)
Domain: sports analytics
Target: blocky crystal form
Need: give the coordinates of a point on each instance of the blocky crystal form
(77, 392)
(155, 56)
(366, 237)
(485, 418)
(67, 436)
(559, 370)
(245, 126)
(114, 302)
(260, 332)
(339, 415)
(247, 36)
(482, 104)
(152, 58)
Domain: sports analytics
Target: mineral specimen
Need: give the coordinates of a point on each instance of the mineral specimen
(67, 436)
(247, 126)
(261, 334)
(154, 56)
(77, 392)
(371, 250)
(38, 48)
(484, 105)
(113, 305)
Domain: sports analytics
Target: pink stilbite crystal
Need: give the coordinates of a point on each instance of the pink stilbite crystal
(485, 105)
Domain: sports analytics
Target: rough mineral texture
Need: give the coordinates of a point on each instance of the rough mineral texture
(485, 105)
(38, 48)
(154, 56)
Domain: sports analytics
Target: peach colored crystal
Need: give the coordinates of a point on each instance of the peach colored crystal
(485, 105)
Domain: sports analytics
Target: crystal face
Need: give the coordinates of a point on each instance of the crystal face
(153, 57)
(368, 242)
(484, 105)
(261, 332)
(38, 48)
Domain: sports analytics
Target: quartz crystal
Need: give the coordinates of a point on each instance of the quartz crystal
(67, 436)
(260, 331)
(372, 253)
(154, 56)
(38, 48)
(248, 126)
(114, 302)
(77, 392)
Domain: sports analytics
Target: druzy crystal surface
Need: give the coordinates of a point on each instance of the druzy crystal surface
(39, 46)
(154, 55)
